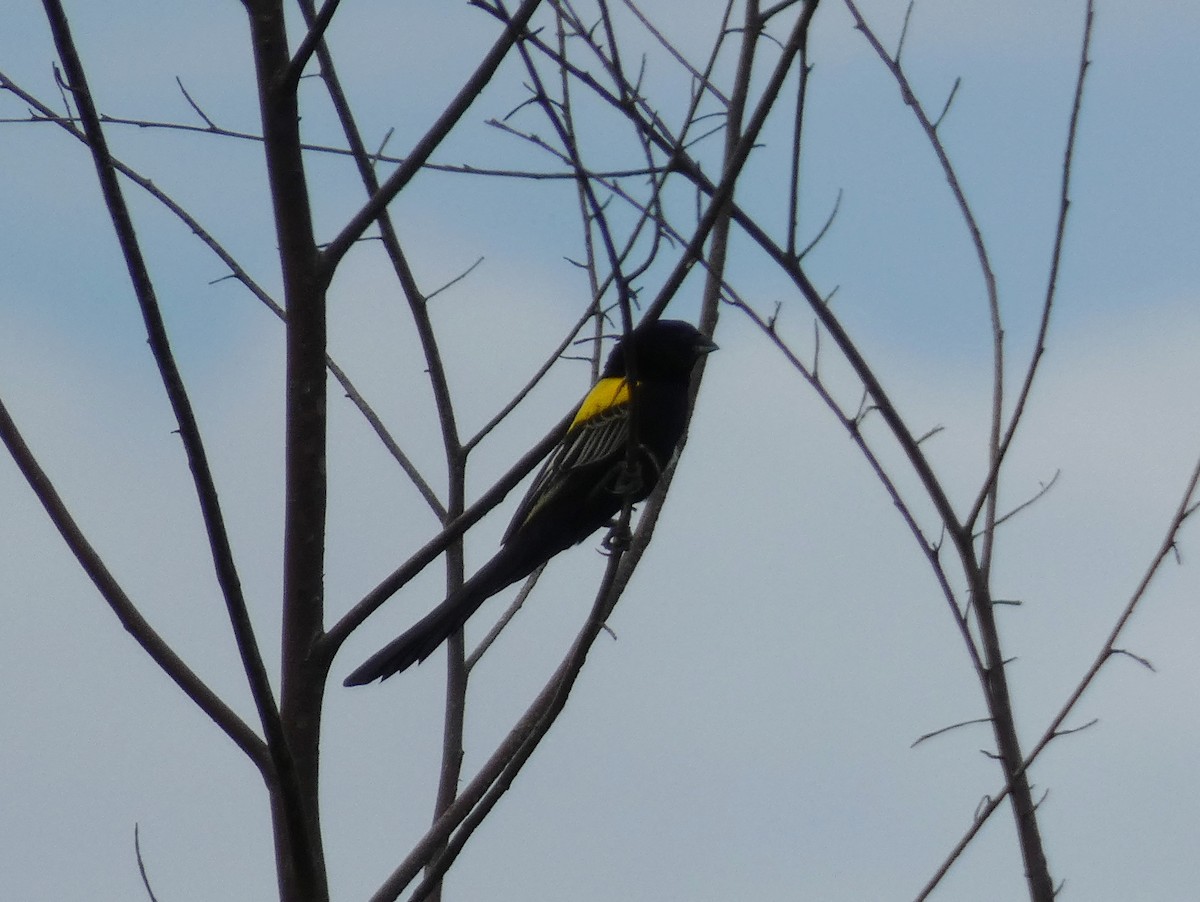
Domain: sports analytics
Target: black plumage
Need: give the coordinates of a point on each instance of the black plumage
(583, 483)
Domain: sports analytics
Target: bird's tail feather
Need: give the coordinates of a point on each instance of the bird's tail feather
(420, 640)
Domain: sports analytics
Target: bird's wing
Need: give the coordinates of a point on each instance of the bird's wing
(598, 432)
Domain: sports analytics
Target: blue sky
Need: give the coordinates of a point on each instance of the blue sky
(748, 734)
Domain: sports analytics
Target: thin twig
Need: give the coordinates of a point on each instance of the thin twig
(1042, 490)
(904, 30)
(1145, 662)
(1060, 231)
(797, 134)
(498, 627)
(946, 107)
(137, 851)
(1067, 731)
(804, 252)
(376, 156)
(702, 78)
(447, 285)
(532, 382)
(212, 126)
(953, 726)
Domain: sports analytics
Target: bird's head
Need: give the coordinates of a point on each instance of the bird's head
(663, 349)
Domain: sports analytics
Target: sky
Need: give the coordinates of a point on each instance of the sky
(749, 732)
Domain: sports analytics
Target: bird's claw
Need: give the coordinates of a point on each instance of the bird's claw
(617, 539)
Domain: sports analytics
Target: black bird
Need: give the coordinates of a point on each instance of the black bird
(584, 482)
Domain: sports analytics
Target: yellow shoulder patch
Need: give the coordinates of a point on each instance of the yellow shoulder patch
(604, 396)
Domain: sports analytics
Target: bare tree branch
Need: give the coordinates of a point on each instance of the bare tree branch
(1182, 513)
(318, 24)
(300, 858)
(160, 347)
(238, 272)
(123, 607)
(454, 111)
(1060, 231)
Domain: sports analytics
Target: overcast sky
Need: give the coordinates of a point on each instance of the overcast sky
(747, 736)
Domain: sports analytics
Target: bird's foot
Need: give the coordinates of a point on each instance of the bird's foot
(617, 539)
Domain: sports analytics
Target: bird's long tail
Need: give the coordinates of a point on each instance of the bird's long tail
(420, 640)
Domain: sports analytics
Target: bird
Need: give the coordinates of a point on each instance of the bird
(621, 437)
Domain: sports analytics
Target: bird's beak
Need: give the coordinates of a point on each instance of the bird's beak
(706, 346)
